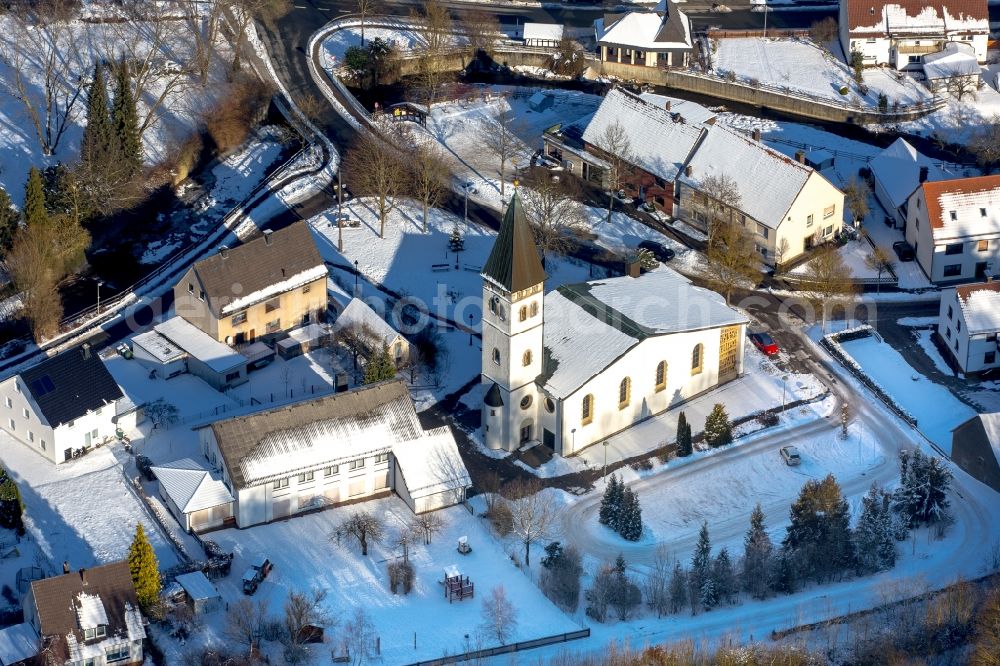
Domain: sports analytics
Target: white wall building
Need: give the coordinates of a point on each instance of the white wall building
(66, 402)
(899, 33)
(897, 171)
(954, 228)
(661, 38)
(572, 367)
(968, 324)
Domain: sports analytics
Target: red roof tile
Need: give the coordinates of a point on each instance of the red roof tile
(866, 13)
(934, 189)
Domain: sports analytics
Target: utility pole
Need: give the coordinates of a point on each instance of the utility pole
(340, 214)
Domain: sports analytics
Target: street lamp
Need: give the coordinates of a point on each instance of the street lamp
(573, 432)
(470, 329)
(605, 476)
(466, 218)
(356, 273)
(784, 378)
(100, 283)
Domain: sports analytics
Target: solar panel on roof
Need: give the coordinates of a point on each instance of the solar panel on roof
(42, 385)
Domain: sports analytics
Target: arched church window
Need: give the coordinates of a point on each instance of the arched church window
(526, 358)
(661, 375)
(523, 313)
(534, 308)
(496, 356)
(624, 393)
(588, 409)
(697, 358)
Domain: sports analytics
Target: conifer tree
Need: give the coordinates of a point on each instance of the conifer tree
(145, 569)
(9, 221)
(11, 505)
(718, 429)
(757, 552)
(683, 436)
(922, 496)
(819, 533)
(33, 211)
(630, 522)
(125, 117)
(611, 503)
(724, 576)
(701, 567)
(380, 367)
(678, 588)
(98, 148)
(874, 537)
(709, 594)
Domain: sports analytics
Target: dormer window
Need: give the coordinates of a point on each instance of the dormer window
(95, 633)
(953, 214)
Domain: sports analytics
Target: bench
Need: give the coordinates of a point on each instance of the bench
(437, 268)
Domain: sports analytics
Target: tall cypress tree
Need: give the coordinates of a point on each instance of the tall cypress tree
(683, 436)
(144, 568)
(34, 199)
(126, 119)
(99, 145)
(757, 551)
(9, 220)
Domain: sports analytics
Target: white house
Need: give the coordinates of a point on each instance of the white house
(660, 38)
(787, 206)
(897, 171)
(954, 228)
(364, 324)
(969, 322)
(67, 402)
(956, 63)
(899, 33)
(194, 495)
(542, 34)
(333, 449)
(176, 346)
(572, 367)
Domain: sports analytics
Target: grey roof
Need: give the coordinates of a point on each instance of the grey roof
(493, 397)
(673, 28)
(70, 384)
(513, 263)
(277, 442)
(257, 264)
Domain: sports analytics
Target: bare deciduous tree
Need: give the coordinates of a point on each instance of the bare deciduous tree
(302, 612)
(557, 219)
(569, 59)
(426, 525)
(482, 28)
(722, 198)
(732, 256)
(360, 636)
(434, 26)
(365, 8)
(830, 280)
(365, 527)
(245, 622)
(245, 12)
(985, 144)
(960, 84)
(202, 23)
(617, 150)
(823, 31)
(372, 167)
(500, 139)
(533, 513)
(856, 194)
(658, 581)
(428, 176)
(499, 615)
(31, 272)
(880, 261)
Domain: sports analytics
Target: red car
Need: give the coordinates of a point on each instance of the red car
(763, 342)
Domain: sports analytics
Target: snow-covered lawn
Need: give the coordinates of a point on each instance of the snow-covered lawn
(937, 411)
(854, 254)
(418, 626)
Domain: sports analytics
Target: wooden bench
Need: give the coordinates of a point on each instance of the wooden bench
(438, 268)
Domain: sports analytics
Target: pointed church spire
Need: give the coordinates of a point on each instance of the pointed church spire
(514, 264)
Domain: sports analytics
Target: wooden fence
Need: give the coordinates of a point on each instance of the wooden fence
(505, 649)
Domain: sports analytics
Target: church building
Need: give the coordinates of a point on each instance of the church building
(585, 361)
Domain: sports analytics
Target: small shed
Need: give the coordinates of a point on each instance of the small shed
(430, 473)
(303, 339)
(361, 321)
(819, 159)
(157, 353)
(18, 644)
(201, 594)
(194, 495)
(543, 34)
(258, 354)
(540, 101)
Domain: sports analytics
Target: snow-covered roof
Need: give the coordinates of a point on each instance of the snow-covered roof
(691, 112)
(768, 182)
(950, 62)
(158, 347)
(432, 463)
(963, 207)
(916, 17)
(644, 30)
(897, 170)
(549, 31)
(190, 486)
(90, 611)
(658, 144)
(588, 326)
(980, 305)
(18, 643)
(292, 282)
(200, 345)
(818, 156)
(358, 316)
(197, 586)
(304, 334)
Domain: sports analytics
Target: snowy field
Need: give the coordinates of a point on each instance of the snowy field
(421, 625)
(401, 39)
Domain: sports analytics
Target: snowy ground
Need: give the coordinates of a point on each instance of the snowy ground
(925, 342)
(421, 625)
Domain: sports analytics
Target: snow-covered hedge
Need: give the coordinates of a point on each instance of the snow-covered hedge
(832, 343)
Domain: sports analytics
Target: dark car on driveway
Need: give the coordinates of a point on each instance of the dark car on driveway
(659, 250)
(903, 251)
(764, 342)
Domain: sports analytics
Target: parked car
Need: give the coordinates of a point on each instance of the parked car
(255, 574)
(790, 455)
(903, 251)
(659, 250)
(764, 342)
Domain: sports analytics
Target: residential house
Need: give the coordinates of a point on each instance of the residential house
(899, 33)
(968, 323)
(569, 368)
(195, 496)
(897, 171)
(361, 325)
(176, 345)
(954, 228)
(333, 449)
(542, 34)
(67, 402)
(954, 69)
(975, 447)
(88, 617)
(261, 288)
(787, 206)
(661, 38)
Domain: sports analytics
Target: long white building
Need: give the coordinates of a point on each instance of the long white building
(571, 367)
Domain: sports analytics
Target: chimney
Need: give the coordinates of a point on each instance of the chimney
(83, 576)
(667, 105)
(924, 172)
(755, 134)
(632, 267)
(85, 350)
(267, 236)
(800, 156)
(66, 566)
(224, 251)
(688, 170)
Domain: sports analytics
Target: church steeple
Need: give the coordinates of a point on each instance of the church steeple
(514, 264)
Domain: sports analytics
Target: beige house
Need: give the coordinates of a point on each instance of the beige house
(661, 38)
(786, 205)
(271, 284)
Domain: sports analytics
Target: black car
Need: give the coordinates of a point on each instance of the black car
(903, 251)
(659, 250)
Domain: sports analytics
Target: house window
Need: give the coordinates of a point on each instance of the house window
(526, 401)
(71, 424)
(953, 214)
(357, 464)
(588, 409)
(232, 376)
(94, 632)
(743, 219)
(661, 375)
(526, 358)
(306, 477)
(829, 211)
(43, 445)
(992, 337)
(522, 314)
(990, 357)
(273, 326)
(953, 270)
(918, 204)
(949, 312)
(809, 220)
(280, 483)
(273, 304)
(496, 356)
(947, 333)
(27, 414)
(956, 344)
(624, 392)
(201, 296)
(761, 230)
(332, 470)
(305, 289)
(13, 426)
(381, 458)
(982, 212)
(239, 318)
(120, 653)
(534, 308)
(697, 359)
(954, 248)
(31, 436)
(983, 245)
(190, 288)
(9, 403)
(958, 326)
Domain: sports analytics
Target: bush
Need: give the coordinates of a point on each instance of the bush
(501, 518)
(731, 76)
(844, 90)
(401, 575)
(229, 120)
(767, 419)
(643, 465)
